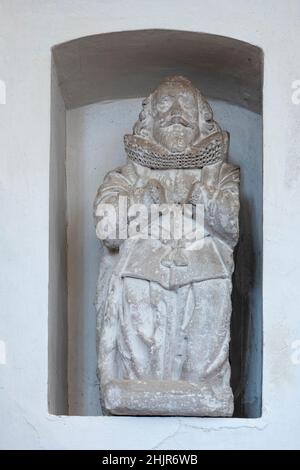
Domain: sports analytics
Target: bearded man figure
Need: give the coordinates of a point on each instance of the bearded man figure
(163, 308)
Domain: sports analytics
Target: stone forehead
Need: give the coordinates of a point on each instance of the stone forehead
(176, 83)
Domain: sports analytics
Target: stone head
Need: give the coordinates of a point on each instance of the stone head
(175, 116)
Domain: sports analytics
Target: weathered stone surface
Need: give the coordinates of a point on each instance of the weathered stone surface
(164, 303)
(165, 398)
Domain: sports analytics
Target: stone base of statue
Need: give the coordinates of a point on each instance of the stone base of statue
(167, 398)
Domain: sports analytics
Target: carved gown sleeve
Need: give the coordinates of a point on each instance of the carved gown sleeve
(116, 183)
(222, 205)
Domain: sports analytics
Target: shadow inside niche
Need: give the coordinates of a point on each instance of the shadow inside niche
(246, 331)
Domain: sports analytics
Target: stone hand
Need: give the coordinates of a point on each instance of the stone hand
(154, 192)
(195, 195)
(202, 194)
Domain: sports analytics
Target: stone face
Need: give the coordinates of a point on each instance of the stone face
(164, 297)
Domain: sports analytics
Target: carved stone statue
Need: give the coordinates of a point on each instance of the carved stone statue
(164, 309)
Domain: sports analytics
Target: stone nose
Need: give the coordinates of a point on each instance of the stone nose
(176, 109)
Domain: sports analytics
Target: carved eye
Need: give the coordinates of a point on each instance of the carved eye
(164, 103)
(187, 101)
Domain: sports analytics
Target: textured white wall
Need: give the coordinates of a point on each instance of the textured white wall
(28, 31)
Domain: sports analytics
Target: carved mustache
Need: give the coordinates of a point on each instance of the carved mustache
(176, 120)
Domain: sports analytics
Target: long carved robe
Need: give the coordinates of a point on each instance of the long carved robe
(170, 323)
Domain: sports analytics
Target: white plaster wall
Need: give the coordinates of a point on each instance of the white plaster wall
(94, 147)
(28, 30)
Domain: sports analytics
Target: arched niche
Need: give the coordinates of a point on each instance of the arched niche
(97, 85)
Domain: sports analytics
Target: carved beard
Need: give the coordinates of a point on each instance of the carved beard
(176, 137)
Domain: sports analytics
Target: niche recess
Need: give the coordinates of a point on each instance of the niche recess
(97, 86)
